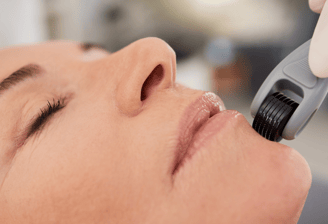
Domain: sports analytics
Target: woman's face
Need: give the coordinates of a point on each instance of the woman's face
(124, 143)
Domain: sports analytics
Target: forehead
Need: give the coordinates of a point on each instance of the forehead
(13, 58)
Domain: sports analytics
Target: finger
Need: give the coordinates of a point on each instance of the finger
(316, 5)
(318, 55)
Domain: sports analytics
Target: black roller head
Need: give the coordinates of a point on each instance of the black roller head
(273, 115)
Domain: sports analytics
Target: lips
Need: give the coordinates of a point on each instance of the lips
(194, 117)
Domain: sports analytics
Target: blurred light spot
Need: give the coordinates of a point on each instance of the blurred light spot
(216, 2)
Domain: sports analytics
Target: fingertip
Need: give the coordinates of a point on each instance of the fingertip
(316, 5)
(318, 63)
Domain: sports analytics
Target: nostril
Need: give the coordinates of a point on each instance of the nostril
(152, 81)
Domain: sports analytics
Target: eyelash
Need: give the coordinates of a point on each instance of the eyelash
(38, 124)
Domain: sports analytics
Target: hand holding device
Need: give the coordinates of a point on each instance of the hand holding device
(318, 55)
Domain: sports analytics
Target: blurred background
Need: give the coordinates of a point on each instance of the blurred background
(225, 46)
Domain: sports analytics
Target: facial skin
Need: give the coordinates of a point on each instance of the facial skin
(106, 157)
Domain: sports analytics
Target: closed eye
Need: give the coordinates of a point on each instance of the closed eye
(38, 124)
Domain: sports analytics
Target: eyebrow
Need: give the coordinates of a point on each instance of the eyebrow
(26, 72)
(34, 70)
(88, 46)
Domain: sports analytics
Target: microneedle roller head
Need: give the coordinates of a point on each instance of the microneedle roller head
(273, 115)
(276, 114)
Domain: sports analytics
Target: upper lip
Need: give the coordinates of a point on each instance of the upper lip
(194, 116)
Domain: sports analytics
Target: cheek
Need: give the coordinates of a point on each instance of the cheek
(82, 169)
(60, 174)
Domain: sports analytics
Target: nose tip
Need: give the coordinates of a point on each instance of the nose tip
(158, 52)
(150, 66)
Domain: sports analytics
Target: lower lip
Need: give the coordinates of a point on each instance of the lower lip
(213, 127)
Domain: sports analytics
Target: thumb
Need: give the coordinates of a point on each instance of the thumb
(316, 5)
(318, 55)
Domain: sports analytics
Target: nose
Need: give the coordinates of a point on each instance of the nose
(144, 68)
